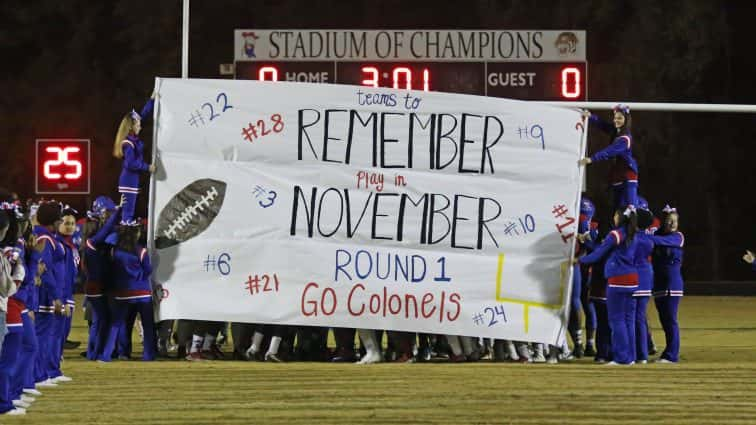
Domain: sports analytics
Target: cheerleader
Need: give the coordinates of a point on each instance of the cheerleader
(129, 147)
(668, 281)
(580, 281)
(66, 230)
(622, 280)
(50, 305)
(131, 280)
(10, 311)
(623, 176)
(645, 247)
(597, 295)
(96, 266)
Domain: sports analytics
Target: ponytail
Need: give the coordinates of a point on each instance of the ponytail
(126, 126)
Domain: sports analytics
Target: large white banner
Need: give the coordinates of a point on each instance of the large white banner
(346, 206)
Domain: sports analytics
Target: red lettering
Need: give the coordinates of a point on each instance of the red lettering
(385, 301)
(441, 311)
(390, 304)
(377, 309)
(323, 301)
(349, 300)
(428, 299)
(407, 298)
(314, 304)
(454, 299)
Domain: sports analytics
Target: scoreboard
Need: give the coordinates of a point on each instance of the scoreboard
(526, 65)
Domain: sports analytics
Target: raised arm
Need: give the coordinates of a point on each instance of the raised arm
(609, 242)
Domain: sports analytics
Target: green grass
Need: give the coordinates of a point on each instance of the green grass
(715, 383)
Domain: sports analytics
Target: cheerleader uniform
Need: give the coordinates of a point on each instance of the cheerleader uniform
(50, 291)
(623, 176)
(643, 293)
(132, 167)
(622, 281)
(23, 376)
(668, 288)
(71, 271)
(597, 295)
(96, 268)
(11, 344)
(131, 279)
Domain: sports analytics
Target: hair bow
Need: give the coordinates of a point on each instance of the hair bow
(621, 108)
(629, 210)
(669, 210)
(134, 115)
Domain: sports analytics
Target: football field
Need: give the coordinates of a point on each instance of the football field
(715, 383)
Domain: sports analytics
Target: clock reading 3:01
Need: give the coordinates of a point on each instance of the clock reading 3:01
(553, 71)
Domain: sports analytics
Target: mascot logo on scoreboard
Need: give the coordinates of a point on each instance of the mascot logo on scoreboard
(249, 43)
(566, 43)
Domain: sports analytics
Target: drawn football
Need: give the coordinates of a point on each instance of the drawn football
(190, 212)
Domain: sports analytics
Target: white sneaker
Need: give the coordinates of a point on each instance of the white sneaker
(28, 399)
(642, 361)
(371, 357)
(22, 404)
(665, 361)
(47, 383)
(32, 391)
(250, 354)
(539, 357)
(15, 412)
(62, 378)
(552, 360)
(612, 363)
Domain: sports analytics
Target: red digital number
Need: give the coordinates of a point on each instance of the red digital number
(571, 83)
(373, 80)
(61, 158)
(262, 74)
(400, 76)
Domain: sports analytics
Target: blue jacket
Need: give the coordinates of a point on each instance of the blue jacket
(96, 260)
(131, 275)
(133, 157)
(620, 268)
(51, 255)
(625, 167)
(643, 251)
(668, 257)
(70, 266)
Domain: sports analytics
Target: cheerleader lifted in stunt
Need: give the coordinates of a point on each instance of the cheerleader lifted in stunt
(623, 176)
(129, 147)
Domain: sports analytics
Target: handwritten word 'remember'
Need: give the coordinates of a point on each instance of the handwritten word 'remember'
(393, 139)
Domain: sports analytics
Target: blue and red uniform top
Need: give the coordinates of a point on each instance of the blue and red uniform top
(643, 251)
(15, 307)
(597, 290)
(23, 295)
(70, 267)
(133, 158)
(96, 261)
(131, 275)
(51, 256)
(667, 258)
(30, 292)
(620, 268)
(625, 167)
